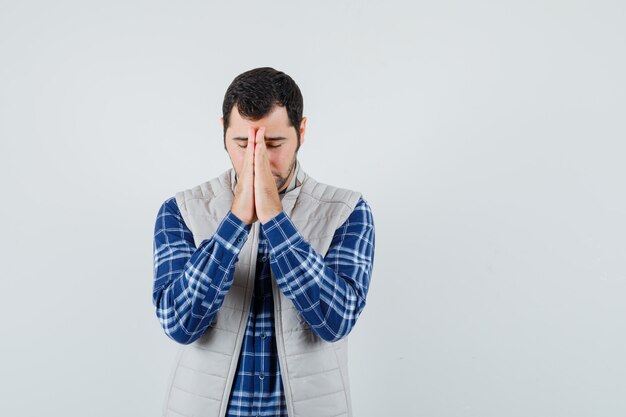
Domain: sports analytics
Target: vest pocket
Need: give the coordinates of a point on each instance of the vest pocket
(302, 323)
(301, 319)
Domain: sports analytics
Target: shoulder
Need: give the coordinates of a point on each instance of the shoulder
(322, 193)
(363, 207)
(170, 222)
(208, 189)
(169, 216)
(362, 213)
(169, 207)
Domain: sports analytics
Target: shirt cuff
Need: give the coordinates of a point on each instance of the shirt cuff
(232, 233)
(281, 233)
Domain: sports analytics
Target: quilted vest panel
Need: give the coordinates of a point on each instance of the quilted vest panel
(314, 372)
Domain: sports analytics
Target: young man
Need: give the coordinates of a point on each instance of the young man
(261, 272)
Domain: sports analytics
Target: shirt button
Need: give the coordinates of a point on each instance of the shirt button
(264, 258)
(239, 239)
(263, 335)
(261, 376)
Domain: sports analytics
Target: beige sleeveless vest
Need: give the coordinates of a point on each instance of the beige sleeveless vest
(314, 371)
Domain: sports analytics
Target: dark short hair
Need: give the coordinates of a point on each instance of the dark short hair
(256, 91)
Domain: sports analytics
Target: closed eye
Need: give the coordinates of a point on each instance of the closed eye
(269, 146)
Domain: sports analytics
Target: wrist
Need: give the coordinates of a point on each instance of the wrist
(269, 215)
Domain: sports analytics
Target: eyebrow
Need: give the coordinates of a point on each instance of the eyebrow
(270, 139)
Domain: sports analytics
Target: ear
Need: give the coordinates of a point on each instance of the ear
(302, 129)
(222, 123)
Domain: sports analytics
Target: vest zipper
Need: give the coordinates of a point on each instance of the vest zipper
(280, 344)
(254, 250)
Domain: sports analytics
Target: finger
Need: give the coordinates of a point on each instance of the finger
(250, 146)
(260, 156)
(260, 139)
(260, 136)
(259, 151)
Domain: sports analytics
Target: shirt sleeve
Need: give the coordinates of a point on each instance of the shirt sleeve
(190, 283)
(330, 291)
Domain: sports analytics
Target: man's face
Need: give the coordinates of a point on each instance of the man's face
(280, 139)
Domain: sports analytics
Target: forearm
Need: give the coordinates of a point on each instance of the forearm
(188, 295)
(328, 301)
(329, 292)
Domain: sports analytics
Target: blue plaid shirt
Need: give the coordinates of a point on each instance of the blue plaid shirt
(329, 292)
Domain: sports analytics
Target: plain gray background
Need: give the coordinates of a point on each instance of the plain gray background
(488, 138)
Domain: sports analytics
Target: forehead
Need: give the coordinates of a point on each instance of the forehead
(276, 119)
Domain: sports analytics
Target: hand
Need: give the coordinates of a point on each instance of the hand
(266, 199)
(243, 203)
